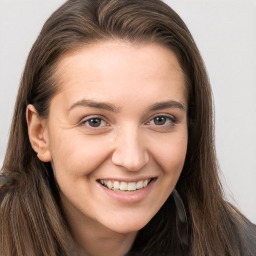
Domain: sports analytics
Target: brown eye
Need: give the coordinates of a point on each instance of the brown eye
(160, 120)
(94, 122)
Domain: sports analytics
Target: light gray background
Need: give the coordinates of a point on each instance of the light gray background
(225, 32)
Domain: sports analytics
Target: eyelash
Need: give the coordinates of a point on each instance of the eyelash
(170, 121)
(94, 118)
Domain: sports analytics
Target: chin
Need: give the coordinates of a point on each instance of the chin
(128, 225)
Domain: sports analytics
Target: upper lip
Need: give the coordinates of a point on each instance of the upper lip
(128, 180)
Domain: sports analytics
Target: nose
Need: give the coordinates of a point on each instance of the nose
(130, 150)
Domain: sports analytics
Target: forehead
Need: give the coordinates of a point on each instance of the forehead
(120, 66)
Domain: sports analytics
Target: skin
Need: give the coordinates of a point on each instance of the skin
(129, 144)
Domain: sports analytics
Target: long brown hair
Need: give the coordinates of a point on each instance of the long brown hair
(31, 220)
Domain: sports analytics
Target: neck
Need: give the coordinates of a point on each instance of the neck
(117, 245)
(100, 241)
(94, 239)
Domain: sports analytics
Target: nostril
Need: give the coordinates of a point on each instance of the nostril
(130, 160)
(130, 151)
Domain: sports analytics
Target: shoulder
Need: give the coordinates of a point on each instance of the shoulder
(247, 232)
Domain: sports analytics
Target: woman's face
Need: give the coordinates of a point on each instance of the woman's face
(117, 133)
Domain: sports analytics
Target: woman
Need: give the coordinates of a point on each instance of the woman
(111, 146)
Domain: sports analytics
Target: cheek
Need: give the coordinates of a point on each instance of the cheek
(78, 154)
(170, 154)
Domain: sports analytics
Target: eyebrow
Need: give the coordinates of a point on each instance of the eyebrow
(110, 107)
(168, 104)
(95, 104)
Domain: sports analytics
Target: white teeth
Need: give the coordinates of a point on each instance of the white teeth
(131, 186)
(109, 184)
(139, 184)
(145, 183)
(116, 185)
(125, 186)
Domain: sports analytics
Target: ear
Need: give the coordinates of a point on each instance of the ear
(38, 134)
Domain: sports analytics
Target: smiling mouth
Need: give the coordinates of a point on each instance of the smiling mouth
(125, 186)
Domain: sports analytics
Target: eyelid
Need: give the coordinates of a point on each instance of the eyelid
(88, 118)
(169, 116)
(166, 127)
(172, 121)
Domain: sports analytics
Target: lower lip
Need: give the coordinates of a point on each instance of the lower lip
(129, 197)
